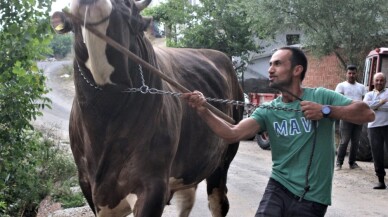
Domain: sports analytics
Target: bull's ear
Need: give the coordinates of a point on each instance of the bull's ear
(147, 21)
(60, 23)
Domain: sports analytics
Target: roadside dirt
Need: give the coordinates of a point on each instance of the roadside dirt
(353, 195)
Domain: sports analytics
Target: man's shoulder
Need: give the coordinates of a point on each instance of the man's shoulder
(369, 93)
(341, 86)
(328, 96)
(385, 92)
(321, 91)
(359, 84)
(342, 83)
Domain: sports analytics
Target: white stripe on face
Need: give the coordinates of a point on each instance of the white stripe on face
(98, 62)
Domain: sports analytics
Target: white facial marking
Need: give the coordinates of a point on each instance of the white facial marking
(98, 62)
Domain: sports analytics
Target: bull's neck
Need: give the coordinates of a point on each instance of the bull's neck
(120, 71)
(145, 51)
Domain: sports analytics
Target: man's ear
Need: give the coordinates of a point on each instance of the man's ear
(298, 69)
(60, 23)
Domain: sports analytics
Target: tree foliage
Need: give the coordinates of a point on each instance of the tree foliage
(24, 38)
(347, 28)
(61, 45)
(213, 24)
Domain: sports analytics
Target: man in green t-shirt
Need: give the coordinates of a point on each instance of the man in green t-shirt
(302, 136)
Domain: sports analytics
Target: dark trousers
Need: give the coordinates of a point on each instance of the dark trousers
(349, 132)
(377, 137)
(277, 201)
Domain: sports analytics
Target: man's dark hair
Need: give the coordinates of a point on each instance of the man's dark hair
(351, 67)
(297, 58)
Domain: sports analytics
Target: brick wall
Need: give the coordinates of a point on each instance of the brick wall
(323, 72)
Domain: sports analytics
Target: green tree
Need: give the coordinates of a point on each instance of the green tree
(213, 24)
(171, 14)
(24, 37)
(61, 45)
(217, 25)
(347, 28)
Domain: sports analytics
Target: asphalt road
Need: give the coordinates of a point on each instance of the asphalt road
(61, 95)
(353, 195)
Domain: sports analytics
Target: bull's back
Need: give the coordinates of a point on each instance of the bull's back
(199, 69)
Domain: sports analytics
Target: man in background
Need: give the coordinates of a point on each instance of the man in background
(349, 131)
(378, 129)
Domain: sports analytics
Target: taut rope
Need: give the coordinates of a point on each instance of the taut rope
(144, 64)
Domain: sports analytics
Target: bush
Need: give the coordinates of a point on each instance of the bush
(67, 196)
(61, 45)
(27, 159)
(33, 173)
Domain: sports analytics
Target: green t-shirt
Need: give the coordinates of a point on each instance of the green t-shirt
(292, 136)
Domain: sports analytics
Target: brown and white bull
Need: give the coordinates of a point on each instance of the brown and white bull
(134, 151)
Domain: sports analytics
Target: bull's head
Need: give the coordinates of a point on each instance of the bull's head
(101, 7)
(118, 19)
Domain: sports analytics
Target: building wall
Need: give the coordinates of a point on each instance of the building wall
(258, 69)
(323, 72)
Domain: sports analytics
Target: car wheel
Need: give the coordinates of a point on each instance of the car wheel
(263, 140)
(386, 156)
(364, 152)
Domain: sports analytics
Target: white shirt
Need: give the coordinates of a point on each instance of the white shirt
(373, 98)
(354, 91)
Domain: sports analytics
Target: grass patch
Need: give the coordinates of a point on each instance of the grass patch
(68, 194)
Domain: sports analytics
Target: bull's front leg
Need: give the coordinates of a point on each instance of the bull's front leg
(216, 185)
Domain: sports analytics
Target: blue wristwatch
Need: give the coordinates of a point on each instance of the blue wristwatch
(326, 111)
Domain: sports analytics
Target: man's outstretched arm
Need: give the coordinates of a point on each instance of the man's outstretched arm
(246, 128)
(357, 112)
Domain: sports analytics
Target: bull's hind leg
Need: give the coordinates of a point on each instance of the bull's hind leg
(216, 185)
(185, 201)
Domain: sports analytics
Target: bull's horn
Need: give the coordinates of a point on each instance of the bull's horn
(141, 5)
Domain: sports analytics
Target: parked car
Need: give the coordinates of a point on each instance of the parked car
(262, 139)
